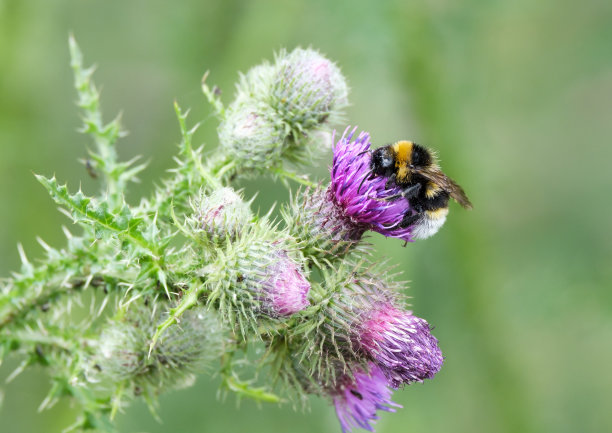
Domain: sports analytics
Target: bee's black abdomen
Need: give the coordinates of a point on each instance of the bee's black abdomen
(422, 203)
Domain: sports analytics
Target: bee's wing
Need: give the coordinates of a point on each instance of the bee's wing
(449, 185)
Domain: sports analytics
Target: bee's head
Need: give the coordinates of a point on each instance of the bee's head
(383, 161)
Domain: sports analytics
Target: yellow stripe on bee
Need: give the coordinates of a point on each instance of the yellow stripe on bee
(403, 152)
(437, 214)
(432, 190)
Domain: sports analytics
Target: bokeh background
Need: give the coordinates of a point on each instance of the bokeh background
(516, 97)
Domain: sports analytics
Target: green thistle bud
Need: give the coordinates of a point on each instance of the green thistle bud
(308, 89)
(256, 84)
(122, 352)
(250, 135)
(278, 108)
(219, 215)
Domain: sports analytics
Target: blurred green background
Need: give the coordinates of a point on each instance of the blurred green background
(516, 97)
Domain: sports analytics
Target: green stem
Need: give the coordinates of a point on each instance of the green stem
(294, 177)
(189, 299)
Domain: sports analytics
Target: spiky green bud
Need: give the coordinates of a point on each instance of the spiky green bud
(121, 354)
(278, 108)
(218, 216)
(251, 136)
(308, 88)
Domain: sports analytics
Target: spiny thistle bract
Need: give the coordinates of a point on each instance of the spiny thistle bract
(192, 275)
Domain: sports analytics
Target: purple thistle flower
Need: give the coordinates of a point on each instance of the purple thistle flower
(359, 195)
(401, 345)
(285, 288)
(357, 400)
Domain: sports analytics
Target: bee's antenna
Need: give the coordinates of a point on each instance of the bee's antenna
(364, 178)
(365, 151)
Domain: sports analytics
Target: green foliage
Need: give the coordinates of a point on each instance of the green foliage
(115, 174)
(87, 211)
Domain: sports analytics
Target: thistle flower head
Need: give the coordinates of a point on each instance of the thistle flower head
(258, 278)
(330, 222)
(357, 399)
(218, 215)
(359, 318)
(360, 197)
(400, 344)
(325, 337)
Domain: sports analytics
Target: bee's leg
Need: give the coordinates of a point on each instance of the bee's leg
(408, 193)
(390, 181)
(409, 220)
(390, 198)
(412, 191)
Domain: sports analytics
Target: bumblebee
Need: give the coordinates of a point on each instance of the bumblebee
(415, 170)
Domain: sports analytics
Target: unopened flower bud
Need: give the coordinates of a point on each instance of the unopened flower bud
(123, 349)
(279, 107)
(249, 133)
(308, 88)
(218, 215)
